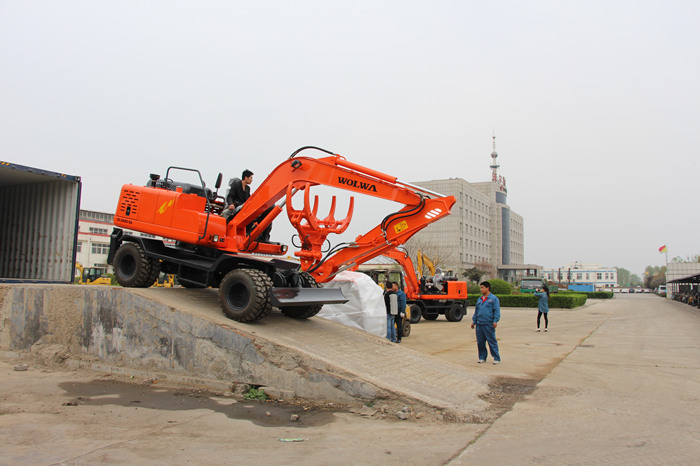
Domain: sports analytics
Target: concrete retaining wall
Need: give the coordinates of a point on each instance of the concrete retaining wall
(123, 328)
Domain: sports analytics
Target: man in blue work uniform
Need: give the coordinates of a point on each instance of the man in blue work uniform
(487, 313)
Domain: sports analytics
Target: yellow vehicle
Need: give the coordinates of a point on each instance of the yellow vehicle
(407, 322)
(92, 275)
(422, 259)
(165, 280)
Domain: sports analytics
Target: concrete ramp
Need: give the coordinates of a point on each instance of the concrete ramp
(183, 331)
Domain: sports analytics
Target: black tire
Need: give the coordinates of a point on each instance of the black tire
(304, 312)
(415, 313)
(406, 327)
(244, 295)
(132, 268)
(430, 316)
(155, 271)
(455, 313)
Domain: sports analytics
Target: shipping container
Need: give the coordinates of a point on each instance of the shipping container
(39, 212)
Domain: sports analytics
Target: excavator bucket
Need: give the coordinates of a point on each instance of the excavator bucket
(282, 297)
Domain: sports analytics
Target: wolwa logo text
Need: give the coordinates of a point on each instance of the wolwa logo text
(357, 184)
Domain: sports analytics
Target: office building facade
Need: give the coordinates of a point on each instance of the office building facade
(482, 227)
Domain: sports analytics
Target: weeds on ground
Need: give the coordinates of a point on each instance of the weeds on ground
(255, 394)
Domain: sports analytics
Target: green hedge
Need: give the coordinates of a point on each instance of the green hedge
(558, 301)
(591, 294)
(500, 287)
(473, 289)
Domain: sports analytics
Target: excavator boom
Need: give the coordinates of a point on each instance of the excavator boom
(421, 207)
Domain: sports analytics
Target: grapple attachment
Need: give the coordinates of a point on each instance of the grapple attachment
(312, 230)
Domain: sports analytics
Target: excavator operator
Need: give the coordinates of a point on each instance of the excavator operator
(438, 279)
(238, 193)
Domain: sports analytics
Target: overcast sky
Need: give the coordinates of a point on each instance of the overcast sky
(595, 104)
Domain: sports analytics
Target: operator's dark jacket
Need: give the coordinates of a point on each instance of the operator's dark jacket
(236, 194)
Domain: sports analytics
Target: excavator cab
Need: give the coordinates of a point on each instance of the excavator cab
(92, 275)
(200, 190)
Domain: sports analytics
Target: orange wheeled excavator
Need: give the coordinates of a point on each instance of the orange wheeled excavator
(429, 302)
(250, 274)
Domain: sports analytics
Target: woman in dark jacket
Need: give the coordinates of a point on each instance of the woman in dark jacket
(542, 307)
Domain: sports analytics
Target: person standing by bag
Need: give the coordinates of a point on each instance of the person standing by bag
(542, 307)
(391, 303)
(487, 313)
(401, 301)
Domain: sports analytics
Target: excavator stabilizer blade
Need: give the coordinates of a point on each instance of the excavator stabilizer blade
(282, 297)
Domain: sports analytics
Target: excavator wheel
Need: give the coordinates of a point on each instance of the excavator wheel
(155, 271)
(415, 313)
(304, 312)
(132, 268)
(406, 324)
(455, 313)
(244, 295)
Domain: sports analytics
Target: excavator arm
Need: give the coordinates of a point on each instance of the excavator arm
(410, 276)
(428, 263)
(457, 290)
(421, 207)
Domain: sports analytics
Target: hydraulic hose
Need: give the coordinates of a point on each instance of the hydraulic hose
(310, 147)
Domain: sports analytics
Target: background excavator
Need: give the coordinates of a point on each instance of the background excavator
(431, 280)
(424, 298)
(252, 276)
(92, 275)
(164, 280)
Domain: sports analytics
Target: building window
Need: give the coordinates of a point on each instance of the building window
(599, 275)
(79, 248)
(100, 248)
(98, 231)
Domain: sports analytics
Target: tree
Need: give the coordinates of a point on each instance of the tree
(692, 259)
(654, 276)
(635, 280)
(474, 274)
(440, 255)
(623, 277)
(487, 267)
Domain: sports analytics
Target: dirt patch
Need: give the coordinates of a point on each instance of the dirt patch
(503, 393)
(53, 356)
(48, 357)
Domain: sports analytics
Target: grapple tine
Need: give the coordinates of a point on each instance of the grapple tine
(314, 211)
(310, 215)
(330, 219)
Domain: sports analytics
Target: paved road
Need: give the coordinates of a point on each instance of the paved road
(617, 382)
(628, 394)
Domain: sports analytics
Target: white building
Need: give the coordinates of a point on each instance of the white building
(482, 228)
(578, 273)
(94, 230)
